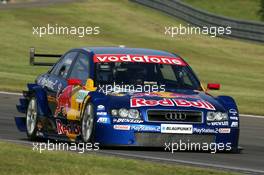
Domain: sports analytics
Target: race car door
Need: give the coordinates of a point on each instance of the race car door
(69, 102)
(59, 75)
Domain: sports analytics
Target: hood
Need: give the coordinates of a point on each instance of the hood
(178, 100)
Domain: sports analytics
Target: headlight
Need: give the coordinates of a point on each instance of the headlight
(216, 116)
(123, 112)
(114, 112)
(133, 113)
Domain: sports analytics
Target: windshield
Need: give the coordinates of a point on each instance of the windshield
(171, 76)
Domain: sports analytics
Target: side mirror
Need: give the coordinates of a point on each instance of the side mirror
(73, 81)
(212, 86)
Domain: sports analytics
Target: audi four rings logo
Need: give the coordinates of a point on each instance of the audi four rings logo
(175, 116)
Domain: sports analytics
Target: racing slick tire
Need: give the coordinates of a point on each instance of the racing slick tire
(32, 119)
(87, 124)
(237, 150)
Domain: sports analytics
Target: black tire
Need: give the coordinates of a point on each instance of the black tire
(88, 124)
(237, 150)
(32, 119)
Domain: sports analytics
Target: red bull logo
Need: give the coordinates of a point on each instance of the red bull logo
(139, 102)
(64, 102)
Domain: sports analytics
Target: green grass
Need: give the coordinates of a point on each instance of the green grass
(239, 9)
(237, 65)
(21, 1)
(17, 159)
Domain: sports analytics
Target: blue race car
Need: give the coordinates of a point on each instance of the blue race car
(122, 96)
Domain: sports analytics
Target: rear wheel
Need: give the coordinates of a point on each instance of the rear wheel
(31, 119)
(87, 124)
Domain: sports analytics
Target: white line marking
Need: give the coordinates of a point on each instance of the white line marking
(15, 141)
(252, 116)
(242, 115)
(185, 162)
(10, 93)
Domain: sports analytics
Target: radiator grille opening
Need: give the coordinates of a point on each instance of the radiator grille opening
(159, 139)
(175, 116)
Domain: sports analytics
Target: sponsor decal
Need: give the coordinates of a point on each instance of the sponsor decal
(81, 95)
(100, 108)
(72, 128)
(233, 111)
(147, 128)
(233, 118)
(176, 128)
(103, 120)
(224, 123)
(101, 113)
(127, 120)
(224, 130)
(164, 95)
(49, 83)
(138, 102)
(234, 124)
(122, 127)
(196, 104)
(104, 58)
(64, 102)
(205, 131)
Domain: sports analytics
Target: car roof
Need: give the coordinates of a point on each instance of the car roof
(126, 50)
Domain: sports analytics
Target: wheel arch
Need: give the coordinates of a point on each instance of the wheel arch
(228, 102)
(40, 94)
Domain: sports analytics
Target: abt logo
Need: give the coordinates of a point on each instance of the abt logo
(139, 102)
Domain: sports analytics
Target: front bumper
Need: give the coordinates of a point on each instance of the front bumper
(128, 134)
(162, 139)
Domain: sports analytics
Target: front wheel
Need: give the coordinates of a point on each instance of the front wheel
(87, 124)
(31, 119)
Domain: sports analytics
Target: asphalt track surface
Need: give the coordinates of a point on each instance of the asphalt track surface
(250, 161)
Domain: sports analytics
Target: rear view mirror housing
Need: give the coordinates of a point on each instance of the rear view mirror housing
(213, 86)
(74, 81)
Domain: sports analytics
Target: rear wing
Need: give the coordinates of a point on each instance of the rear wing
(33, 55)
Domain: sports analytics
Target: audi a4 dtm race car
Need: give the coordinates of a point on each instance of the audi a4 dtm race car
(122, 96)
